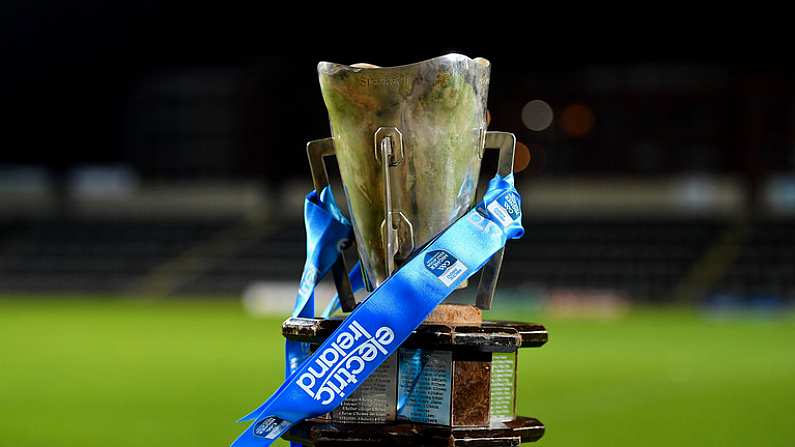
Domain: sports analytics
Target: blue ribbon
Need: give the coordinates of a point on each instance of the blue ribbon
(381, 323)
(326, 229)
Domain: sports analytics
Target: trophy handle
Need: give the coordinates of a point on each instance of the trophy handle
(316, 150)
(396, 229)
(490, 273)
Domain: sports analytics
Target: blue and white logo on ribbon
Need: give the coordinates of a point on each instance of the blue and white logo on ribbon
(506, 208)
(271, 427)
(444, 266)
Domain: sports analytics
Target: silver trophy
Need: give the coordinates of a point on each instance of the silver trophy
(409, 141)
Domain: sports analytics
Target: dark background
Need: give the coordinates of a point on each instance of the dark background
(185, 92)
(193, 95)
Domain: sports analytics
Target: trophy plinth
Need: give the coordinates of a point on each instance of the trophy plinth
(446, 382)
(509, 433)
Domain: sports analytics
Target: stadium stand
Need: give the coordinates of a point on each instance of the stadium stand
(643, 258)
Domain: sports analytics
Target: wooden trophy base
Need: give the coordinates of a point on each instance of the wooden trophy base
(451, 383)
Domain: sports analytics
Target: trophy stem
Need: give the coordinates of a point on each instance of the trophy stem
(456, 315)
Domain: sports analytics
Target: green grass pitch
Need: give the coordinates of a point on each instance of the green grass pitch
(113, 372)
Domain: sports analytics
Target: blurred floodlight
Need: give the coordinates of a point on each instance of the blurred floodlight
(780, 194)
(537, 115)
(268, 298)
(23, 180)
(701, 192)
(103, 181)
(521, 158)
(577, 120)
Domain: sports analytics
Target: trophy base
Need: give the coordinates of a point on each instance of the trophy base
(448, 384)
(508, 433)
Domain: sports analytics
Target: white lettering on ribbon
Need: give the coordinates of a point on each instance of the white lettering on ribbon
(308, 280)
(339, 365)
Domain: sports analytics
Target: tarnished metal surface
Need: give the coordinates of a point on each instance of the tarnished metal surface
(439, 108)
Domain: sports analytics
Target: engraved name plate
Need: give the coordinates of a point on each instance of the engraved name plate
(424, 386)
(374, 401)
(503, 386)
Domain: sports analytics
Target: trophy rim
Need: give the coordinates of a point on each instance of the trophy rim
(325, 67)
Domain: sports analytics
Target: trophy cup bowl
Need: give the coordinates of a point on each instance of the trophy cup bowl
(409, 141)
